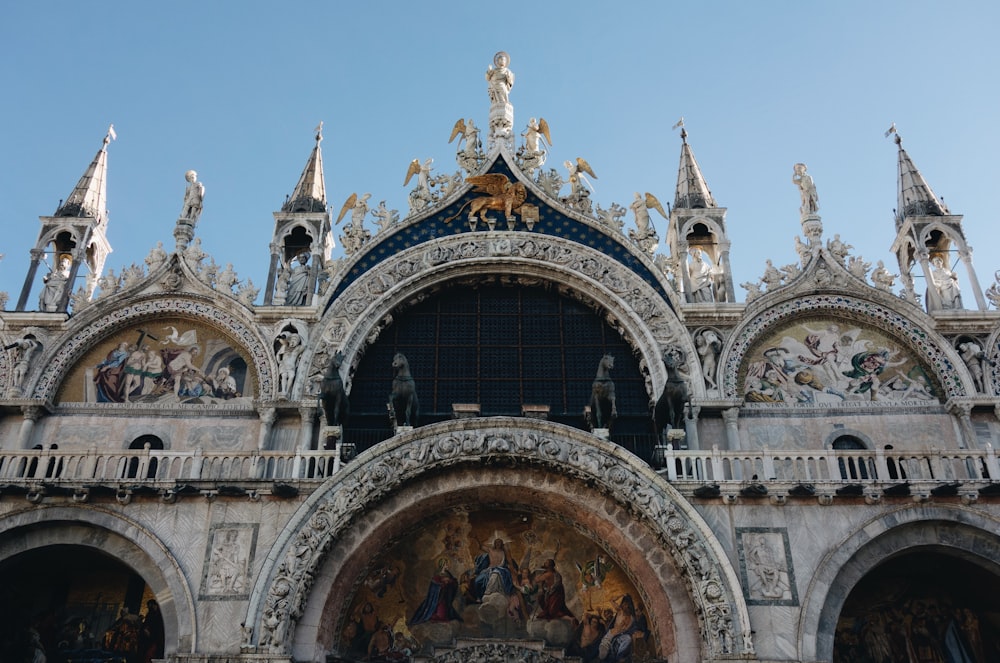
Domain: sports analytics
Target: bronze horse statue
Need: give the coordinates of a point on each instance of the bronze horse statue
(603, 408)
(332, 395)
(669, 410)
(403, 404)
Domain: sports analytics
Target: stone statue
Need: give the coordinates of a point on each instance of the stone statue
(838, 248)
(468, 144)
(194, 195)
(701, 277)
(387, 218)
(709, 345)
(157, 256)
(536, 137)
(288, 354)
(807, 189)
(421, 196)
(226, 279)
(499, 79)
(945, 282)
(882, 278)
(973, 356)
(355, 235)
(24, 349)
(297, 291)
(993, 292)
(50, 299)
(645, 234)
(578, 172)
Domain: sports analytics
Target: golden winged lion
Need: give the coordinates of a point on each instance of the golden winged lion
(502, 195)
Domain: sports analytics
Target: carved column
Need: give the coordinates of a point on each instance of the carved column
(271, 274)
(308, 416)
(267, 416)
(730, 417)
(967, 436)
(966, 257)
(36, 257)
(31, 414)
(691, 427)
(933, 302)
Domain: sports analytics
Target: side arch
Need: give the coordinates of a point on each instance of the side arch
(126, 540)
(928, 346)
(961, 531)
(61, 356)
(280, 597)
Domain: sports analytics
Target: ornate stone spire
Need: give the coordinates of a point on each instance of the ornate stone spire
(310, 192)
(89, 197)
(692, 190)
(915, 195)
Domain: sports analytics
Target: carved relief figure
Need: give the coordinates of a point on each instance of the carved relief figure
(229, 562)
(24, 349)
(502, 195)
(974, 357)
(709, 345)
(289, 350)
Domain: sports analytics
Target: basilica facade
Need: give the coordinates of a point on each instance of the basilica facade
(505, 424)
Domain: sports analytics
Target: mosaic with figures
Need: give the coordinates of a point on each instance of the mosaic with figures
(161, 361)
(511, 575)
(829, 361)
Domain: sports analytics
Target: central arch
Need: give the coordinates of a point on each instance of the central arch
(687, 579)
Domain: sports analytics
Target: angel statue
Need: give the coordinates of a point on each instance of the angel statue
(577, 176)
(355, 235)
(467, 133)
(421, 196)
(645, 234)
(536, 139)
(501, 195)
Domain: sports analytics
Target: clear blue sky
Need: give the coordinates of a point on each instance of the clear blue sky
(234, 89)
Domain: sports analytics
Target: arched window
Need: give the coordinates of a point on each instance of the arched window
(151, 442)
(851, 468)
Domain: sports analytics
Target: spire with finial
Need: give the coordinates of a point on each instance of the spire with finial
(310, 193)
(915, 195)
(89, 197)
(692, 190)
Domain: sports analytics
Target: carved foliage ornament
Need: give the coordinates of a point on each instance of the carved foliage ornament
(368, 483)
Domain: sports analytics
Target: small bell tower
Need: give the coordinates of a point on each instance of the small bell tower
(928, 234)
(302, 242)
(696, 236)
(74, 237)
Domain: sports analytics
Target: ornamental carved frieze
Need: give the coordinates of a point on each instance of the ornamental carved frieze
(712, 582)
(367, 302)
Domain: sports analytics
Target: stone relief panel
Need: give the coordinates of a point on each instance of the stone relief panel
(494, 573)
(168, 360)
(831, 361)
(228, 562)
(766, 566)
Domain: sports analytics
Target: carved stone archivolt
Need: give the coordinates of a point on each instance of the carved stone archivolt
(279, 598)
(633, 306)
(61, 356)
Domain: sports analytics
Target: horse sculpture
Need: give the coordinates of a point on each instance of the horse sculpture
(669, 410)
(332, 396)
(603, 408)
(403, 404)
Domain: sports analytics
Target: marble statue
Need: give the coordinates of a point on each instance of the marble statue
(709, 345)
(387, 218)
(645, 234)
(51, 296)
(578, 171)
(24, 349)
(288, 354)
(858, 267)
(421, 196)
(882, 278)
(194, 196)
(157, 256)
(226, 279)
(297, 291)
(468, 144)
(993, 292)
(536, 137)
(499, 79)
(838, 248)
(973, 356)
(807, 189)
(701, 277)
(772, 278)
(945, 281)
(358, 206)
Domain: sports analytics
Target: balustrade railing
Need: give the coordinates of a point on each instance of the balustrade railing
(677, 466)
